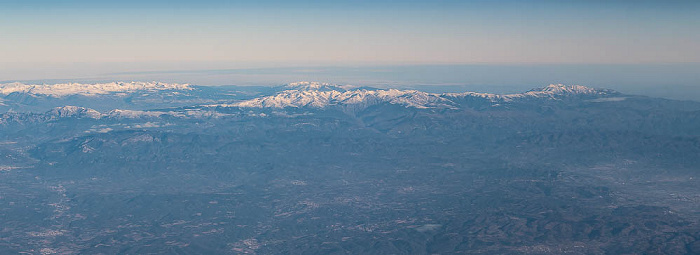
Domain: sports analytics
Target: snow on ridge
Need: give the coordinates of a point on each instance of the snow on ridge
(312, 85)
(560, 89)
(132, 114)
(83, 112)
(74, 111)
(65, 89)
(320, 95)
(359, 98)
(307, 85)
(190, 113)
(551, 91)
(69, 111)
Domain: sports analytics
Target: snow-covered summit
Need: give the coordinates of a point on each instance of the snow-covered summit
(84, 112)
(320, 95)
(560, 89)
(66, 89)
(318, 86)
(552, 91)
(74, 111)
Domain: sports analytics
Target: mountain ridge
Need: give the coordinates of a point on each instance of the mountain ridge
(67, 89)
(302, 95)
(321, 95)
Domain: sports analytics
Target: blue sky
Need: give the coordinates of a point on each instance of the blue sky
(375, 32)
(58, 39)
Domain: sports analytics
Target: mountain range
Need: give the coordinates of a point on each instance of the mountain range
(308, 167)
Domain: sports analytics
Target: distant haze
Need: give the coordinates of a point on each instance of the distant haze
(342, 32)
(675, 81)
(638, 46)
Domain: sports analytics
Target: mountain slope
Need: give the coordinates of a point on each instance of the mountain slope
(346, 170)
(67, 89)
(321, 95)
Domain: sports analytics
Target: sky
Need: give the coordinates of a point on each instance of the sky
(80, 38)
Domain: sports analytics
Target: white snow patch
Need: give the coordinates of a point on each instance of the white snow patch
(66, 89)
(321, 95)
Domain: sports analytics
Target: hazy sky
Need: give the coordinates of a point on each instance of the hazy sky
(375, 32)
(81, 38)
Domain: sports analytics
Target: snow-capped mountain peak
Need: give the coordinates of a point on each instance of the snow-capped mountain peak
(74, 111)
(317, 86)
(552, 91)
(296, 95)
(320, 95)
(560, 89)
(66, 89)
